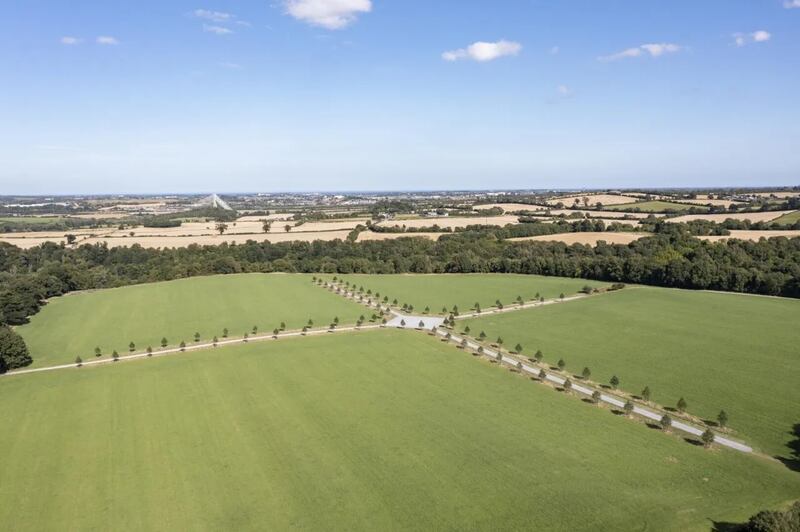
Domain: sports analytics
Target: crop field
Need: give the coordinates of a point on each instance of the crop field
(718, 351)
(789, 219)
(590, 238)
(144, 314)
(753, 235)
(655, 206)
(445, 290)
(759, 216)
(377, 430)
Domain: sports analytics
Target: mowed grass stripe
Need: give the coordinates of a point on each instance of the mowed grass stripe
(382, 430)
(464, 290)
(719, 351)
(74, 325)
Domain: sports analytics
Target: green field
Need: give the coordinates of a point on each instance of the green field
(788, 219)
(654, 206)
(111, 319)
(379, 430)
(30, 220)
(464, 290)
(719, 351)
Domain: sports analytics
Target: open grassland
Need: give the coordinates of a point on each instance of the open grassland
(383, 430)
(445, 290)
(110, 319)
(30, 220)
(590, 238)
(605, 214)
(789, 219)
(655, 206)
(719, 351)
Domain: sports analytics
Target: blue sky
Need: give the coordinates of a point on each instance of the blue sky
(188, 96)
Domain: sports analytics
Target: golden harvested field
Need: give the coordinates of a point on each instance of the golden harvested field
(453, 221)
(777, 194)
(585, 238)
(604, 214)
(30, 242)
(510, 207)
(752, 216)
(271, 217)
(605, 199)
(751, 235)
(369, 235)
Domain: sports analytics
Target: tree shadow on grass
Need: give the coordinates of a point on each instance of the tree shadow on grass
(793, 461)
(617, 412)
(692, 441)
(721, 526)
(653, 425)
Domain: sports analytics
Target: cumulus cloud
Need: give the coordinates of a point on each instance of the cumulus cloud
(484, 51)
(106, 40)
(791, 4)
(330, 14)
(653, 49)
(217, 30)
(741, 39)
(69, 41)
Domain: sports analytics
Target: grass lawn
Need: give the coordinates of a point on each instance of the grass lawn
(464, 290)
(788, 219)
(380, 430)
(77, 323)
(655, 206)
(30, 220)
(719, 351)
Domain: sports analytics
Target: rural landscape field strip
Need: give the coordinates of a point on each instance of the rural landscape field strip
(717, 351)
(193, 347)
(381, 430)
(587, 391)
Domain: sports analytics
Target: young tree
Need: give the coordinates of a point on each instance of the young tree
(596, 396)
(422, 325)
(402, 323)
(163, 342)
(97, 352)
(305, 329)
(708, 438)
(78, 361)
(539, 355)
(477, 308)
(614, 382)
(519, 366)
(518, 348)
(466, 329)
(266, 225)
(336, 320)
(586, 373)
(567, 385)
(149, 351)
(646, 393)
(245, 337)
(197, 337)
(221, 227)
(480, 349)
(482, 336)
(499, 341)
(115, 355)
(287, 228)
(666, 422)
(275, 332)
(561, 296)
(255, 329)
(427, 310)
(131, 347)
(499, 356)
(682, 405)
(310, 323)
(225, 333)
(464, 343)
(383, 321)
(519, 300)
(183, 345)
(722, 419)
(283, 325)
(561, 364)
(628, 408)
(444, 310)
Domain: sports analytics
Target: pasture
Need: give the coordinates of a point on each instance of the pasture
(464, 290)
(144, 314)
(718, 351)
(655, 206)
(381, 430)
(788, 219)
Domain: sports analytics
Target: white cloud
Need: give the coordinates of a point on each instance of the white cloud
(791, 4)
(330, 14)
(216, 30)
(213, 16)
(69, 41)
(483, 51)
(654, 49)
(107, 41)
(741, 39)
(564, 91)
